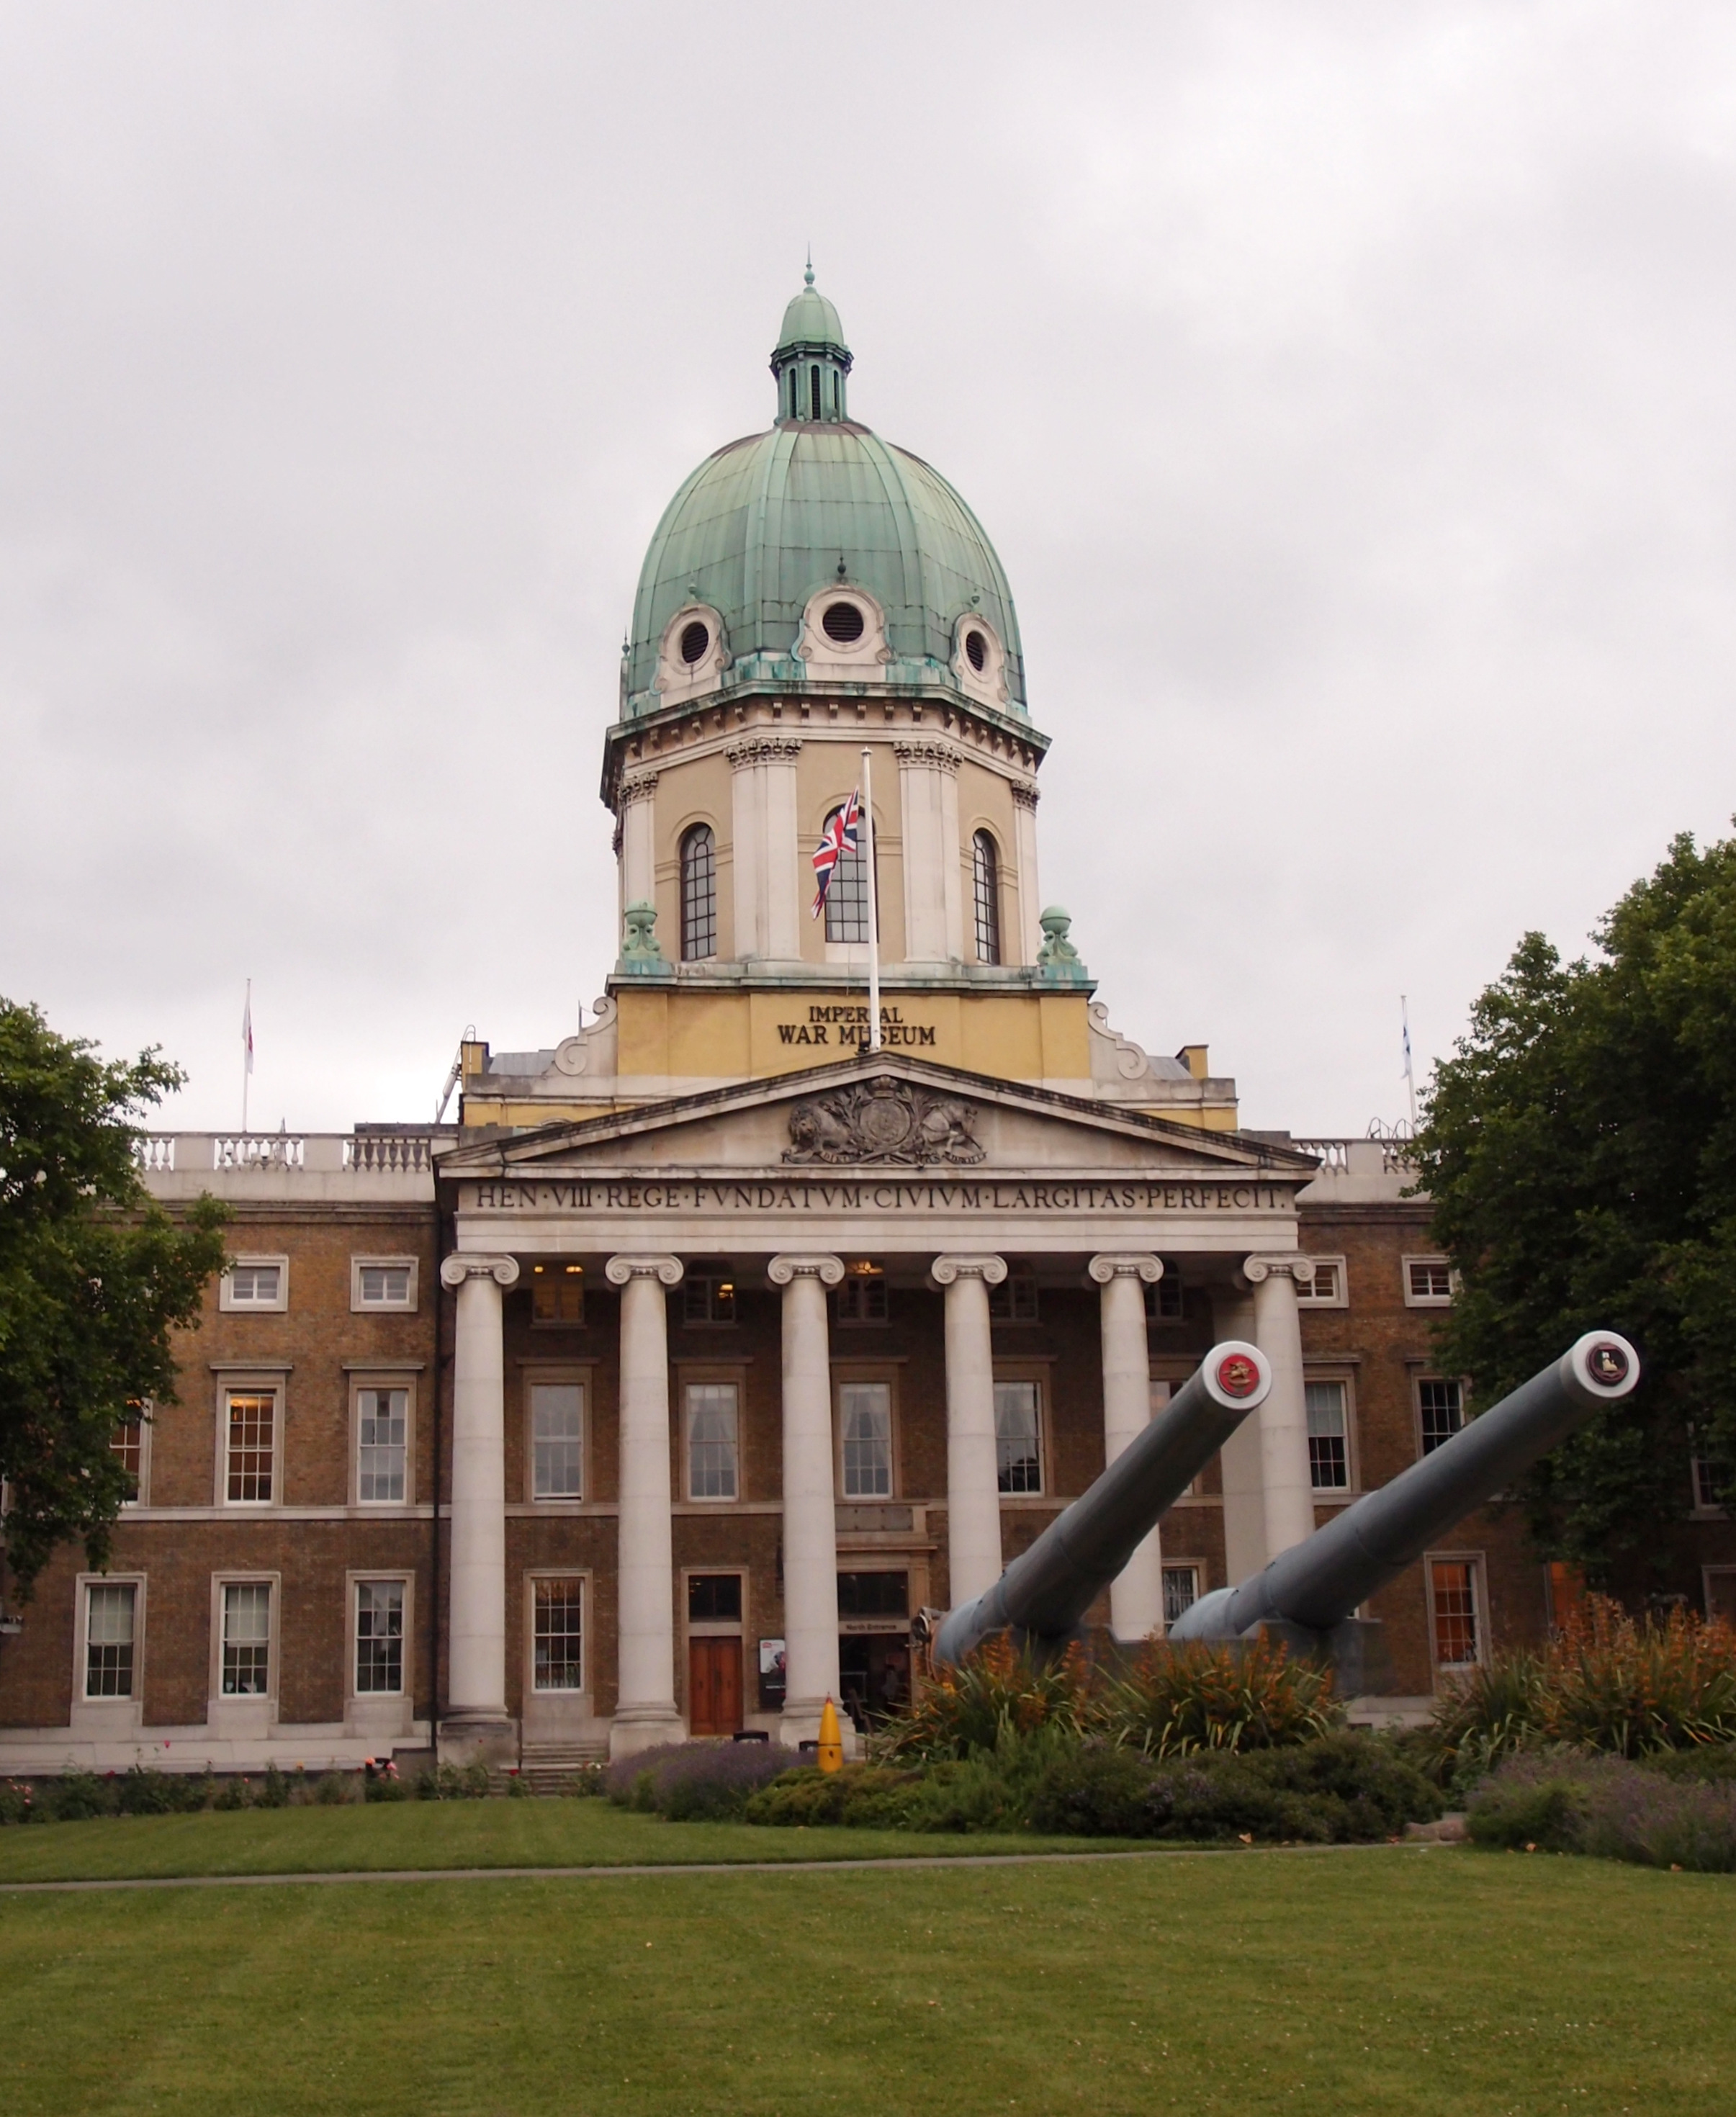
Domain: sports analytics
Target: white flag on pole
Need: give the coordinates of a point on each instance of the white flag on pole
(247, 1028)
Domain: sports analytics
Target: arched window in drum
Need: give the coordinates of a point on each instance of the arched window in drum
(699, 894)
(985, 868)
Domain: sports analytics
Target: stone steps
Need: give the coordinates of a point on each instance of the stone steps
(547, 1766)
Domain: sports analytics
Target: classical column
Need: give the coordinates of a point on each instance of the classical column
(1287, 1487)
(637, 847)
(476, 1682)
(764, 847)
(644, 1711)
(972, 1478)
(1136, 1594)
(1024, 843)
(933, 896)
(810, 1508)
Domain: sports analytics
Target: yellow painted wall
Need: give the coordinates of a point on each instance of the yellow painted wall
(685, 1037)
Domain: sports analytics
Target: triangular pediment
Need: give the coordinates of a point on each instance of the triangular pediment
(879, 1111)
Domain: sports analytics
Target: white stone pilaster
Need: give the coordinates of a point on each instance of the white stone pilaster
(954, 853)
(928, 791)
(1285, 1484)
(645, 1710)
(476, 1683)
(1024, 846)
(1136, 1594)
(810, 1503)
(763, 849)
(637, 842)
(973, 1480)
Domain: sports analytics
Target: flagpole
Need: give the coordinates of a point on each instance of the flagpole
(1404, 1016)
(246, 1052)
(874, 909)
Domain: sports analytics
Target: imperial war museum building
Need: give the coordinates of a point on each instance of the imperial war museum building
(664, 1392)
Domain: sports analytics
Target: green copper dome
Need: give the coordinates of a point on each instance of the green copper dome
(819, 501)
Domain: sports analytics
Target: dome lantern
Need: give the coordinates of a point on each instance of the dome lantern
(811, 360)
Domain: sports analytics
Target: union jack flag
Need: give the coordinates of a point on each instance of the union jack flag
(836, 840)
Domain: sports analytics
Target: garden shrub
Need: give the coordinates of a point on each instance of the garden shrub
(76, 1798)
(696, 1782)
(1559, 1801)
(454, 1783)
(1209, 1696)
(234, 1793)
(1712, 1762)
(967, 1793)
(143, 1793)
(1380, 1789)
(808, 1797)
(17, 1801)
(1343, 1789)
(332, 1789)
(1099, 1791)
(274, 1792)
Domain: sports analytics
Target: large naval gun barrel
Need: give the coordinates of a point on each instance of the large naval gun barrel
(1046, 1590)
(1310, 1592)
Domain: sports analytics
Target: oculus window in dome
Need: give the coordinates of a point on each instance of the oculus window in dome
(763, 529)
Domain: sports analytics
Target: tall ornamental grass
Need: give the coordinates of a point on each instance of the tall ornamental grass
(996, 1696)
(1628, 1686)
(1172, 1702)
(1177, 1701)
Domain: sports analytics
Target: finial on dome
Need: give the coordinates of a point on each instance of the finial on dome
(808, 276)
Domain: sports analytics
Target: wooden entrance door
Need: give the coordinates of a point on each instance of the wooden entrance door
(714, 1686)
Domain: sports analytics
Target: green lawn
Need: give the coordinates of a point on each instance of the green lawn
(446, 1834)
(1435, 1982)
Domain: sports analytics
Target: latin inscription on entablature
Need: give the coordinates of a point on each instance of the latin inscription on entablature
(706, 1195)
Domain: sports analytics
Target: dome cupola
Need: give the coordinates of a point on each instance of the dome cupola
(817, 555)
(811, 360)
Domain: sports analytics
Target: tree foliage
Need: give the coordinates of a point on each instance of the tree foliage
(1580, 1149)
(94, 1276)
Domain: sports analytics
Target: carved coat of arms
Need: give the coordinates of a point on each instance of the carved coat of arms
(883, 1119)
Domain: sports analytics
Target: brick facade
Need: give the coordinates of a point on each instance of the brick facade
(314, 1538)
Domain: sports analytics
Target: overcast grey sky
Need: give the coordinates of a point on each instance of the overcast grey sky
(1348, 388)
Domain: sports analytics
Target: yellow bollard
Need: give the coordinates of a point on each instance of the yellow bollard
(829, 1752)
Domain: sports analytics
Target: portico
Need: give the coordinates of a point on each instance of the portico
(972, 1208)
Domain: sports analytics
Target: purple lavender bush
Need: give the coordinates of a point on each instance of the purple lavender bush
(1563, 1802)
(697, 1781)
